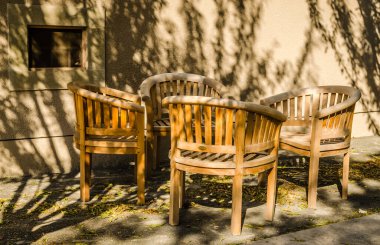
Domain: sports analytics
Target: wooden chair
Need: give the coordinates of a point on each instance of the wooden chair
(322, 119)
(222, 137)
(109, 121)
(155, 88)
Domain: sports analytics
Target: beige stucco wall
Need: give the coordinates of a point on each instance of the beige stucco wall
(258, 49)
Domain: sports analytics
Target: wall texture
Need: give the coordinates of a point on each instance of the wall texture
(256, 48)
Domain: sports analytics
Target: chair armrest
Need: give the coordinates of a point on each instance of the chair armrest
(106, 90)
(111, 101)
(121, 94)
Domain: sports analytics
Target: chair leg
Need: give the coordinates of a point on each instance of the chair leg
(237, 196)
(313, 180)
(155, 152)
(140, 166)
(174, 196)
(271, 194)
(346, 168)
(261, 177)
(149, 153)
(182, 188)
(85, 175)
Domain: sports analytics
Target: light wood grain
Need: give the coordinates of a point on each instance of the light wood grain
(228, 128)
(331, 109)
(106, 125)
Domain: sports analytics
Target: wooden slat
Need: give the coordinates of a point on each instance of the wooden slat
(259, 147)
(162, 90)
(195, 89)
(90, 113)
(263, 125)
(181, 87)
(249, 129)
(292, 109)
(285, 107)
(315, 106)
(219, 123)
(109, 143)
(300, 106)
(324, 100)
(154, 102)
(158, 101)
(132, 119)
(201, 89)
(225, 149)
(106, 115)
(123, 118)
(115, 117)
(98, 113)
(229, 126)
(197, 124)
(188, 87)
(181, 122)
(256, 129)
(111, 150)
(208, 125)
(307, 108)
(111, 131)
(188, 123)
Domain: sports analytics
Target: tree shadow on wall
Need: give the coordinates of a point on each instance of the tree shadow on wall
(151, 42)
(362, 47)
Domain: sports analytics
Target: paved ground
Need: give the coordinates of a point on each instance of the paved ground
(365, 230)
(46, 210)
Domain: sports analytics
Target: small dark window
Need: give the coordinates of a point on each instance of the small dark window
(54, 47)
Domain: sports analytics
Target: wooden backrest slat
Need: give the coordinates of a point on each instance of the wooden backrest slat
(106, 115)
(174, 87)
(197, 124)
(98, 114)
(181, 87)
(262, 129)
(132, 117)
(201, 89)
(188, 88)
(115, 117)
(292, 108)
(285, 108)
(229, 126)
(158, 101)
(249, 129)
(300, 107)
(256, 129)
(307, 108)
(188, 123)
(153, 95)
(181, 122)
(219, 123)
(90, 113)
(195, 89)
(123, 118)
(208, 124)
(76, 108)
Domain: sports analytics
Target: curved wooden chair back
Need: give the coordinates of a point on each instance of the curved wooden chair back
(222, 126)
(333, 105)
(155, 88)
(223, 137)
(108, 121)
(327, 111)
